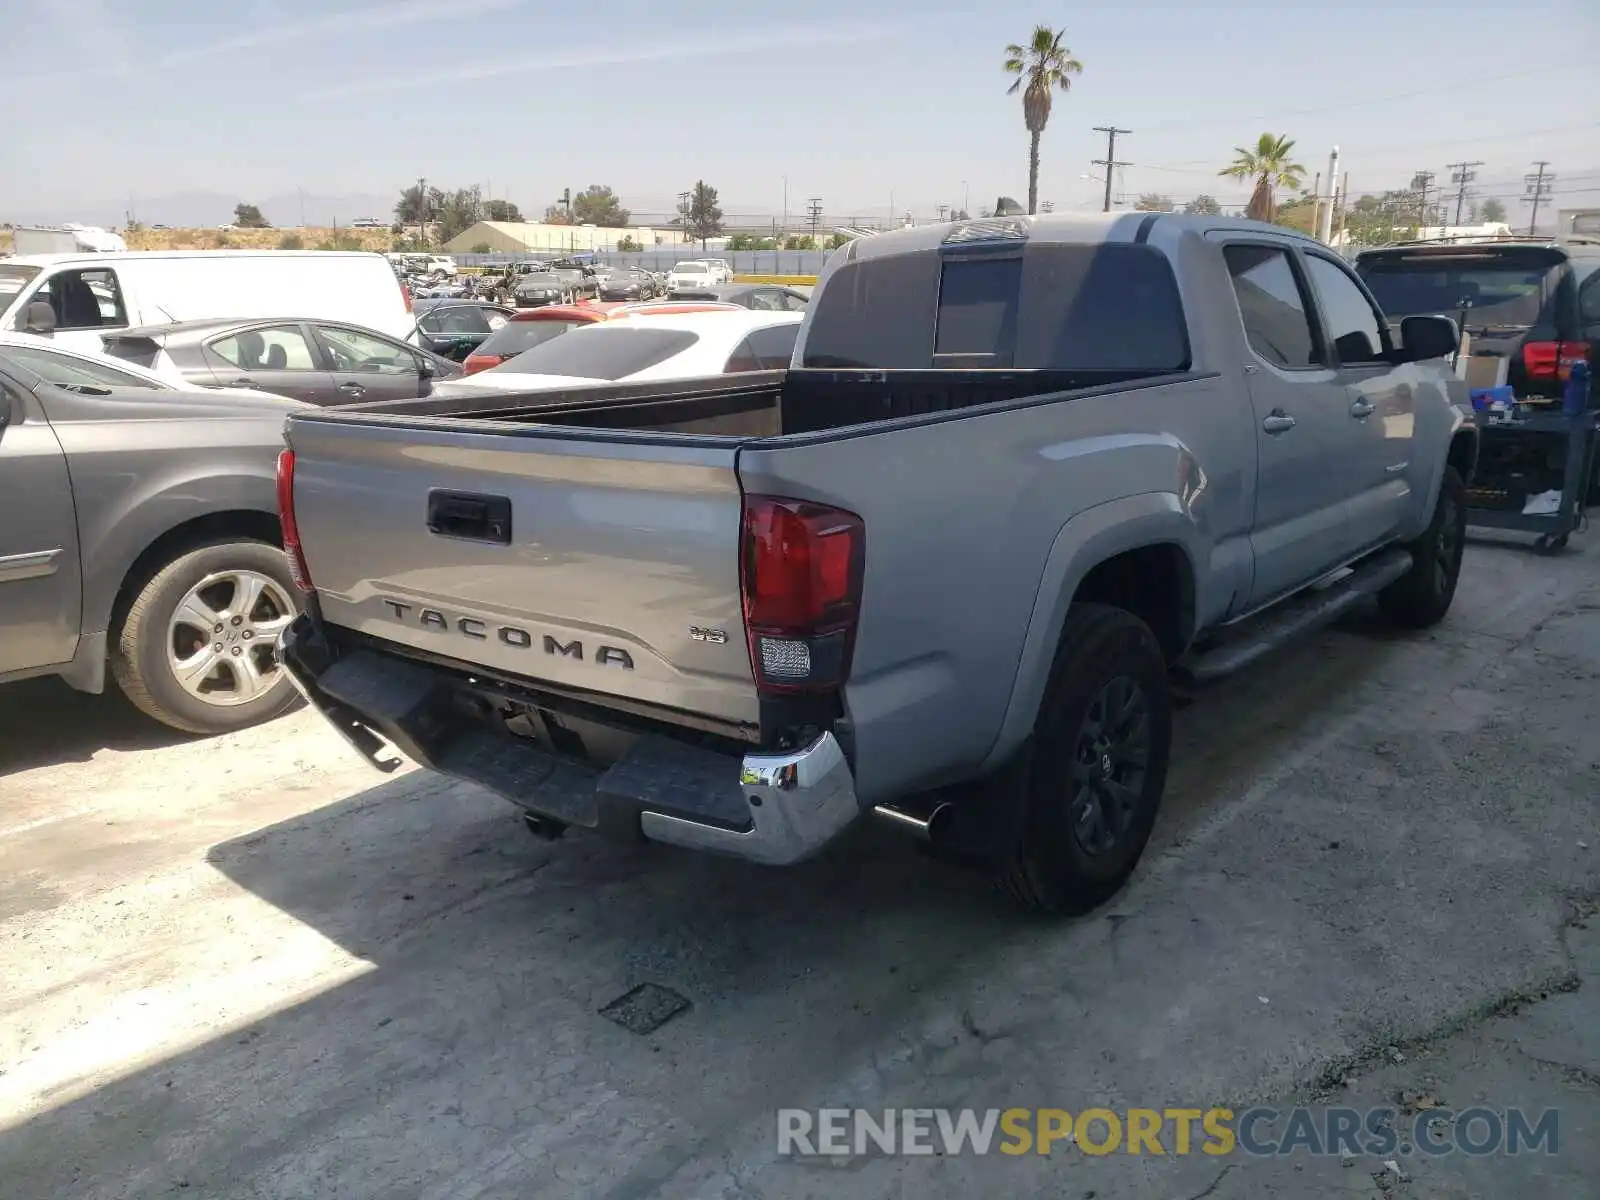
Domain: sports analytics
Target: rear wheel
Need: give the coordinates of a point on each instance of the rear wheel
(197, 649)
(1098, 764)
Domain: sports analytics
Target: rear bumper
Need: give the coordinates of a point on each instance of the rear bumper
(767, 808)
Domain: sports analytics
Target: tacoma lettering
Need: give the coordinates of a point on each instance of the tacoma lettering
(510, 635)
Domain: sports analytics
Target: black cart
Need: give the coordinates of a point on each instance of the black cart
(1526, 455)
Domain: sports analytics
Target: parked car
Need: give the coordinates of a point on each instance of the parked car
(579, 282)
(535, 326)
(74, 298)
(150, 549)
(769, 297)
(721, 269)
(453, 329)
(318, 362)
(693, 278)
(629, 284)
(1025, 470)
(1533, 303)
(534, 288)
(665, 346)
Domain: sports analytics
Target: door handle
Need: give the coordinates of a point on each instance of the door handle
(1278, 421)
(352, 389)
(1362, 409)
(244, 383)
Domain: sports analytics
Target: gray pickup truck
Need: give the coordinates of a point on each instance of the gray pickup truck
(1021, 472)
(139, 532)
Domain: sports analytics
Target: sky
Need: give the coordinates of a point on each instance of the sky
(864, 103)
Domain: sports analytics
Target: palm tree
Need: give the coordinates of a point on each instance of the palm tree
(1040, 67)
(1271, 167)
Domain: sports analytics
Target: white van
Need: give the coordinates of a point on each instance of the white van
(87, 294)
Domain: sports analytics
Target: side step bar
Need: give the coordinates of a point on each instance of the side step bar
(1297, 615)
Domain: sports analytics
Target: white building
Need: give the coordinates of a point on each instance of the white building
(510, 237)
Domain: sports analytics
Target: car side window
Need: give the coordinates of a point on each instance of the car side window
(279, 348)
(1354, 327)
(1589, 299)
(86, 299)
(766, 299)
(1273, 307)
(458, 318)
(70, 371)
(774, 347)
(362, 352)
(793, 303)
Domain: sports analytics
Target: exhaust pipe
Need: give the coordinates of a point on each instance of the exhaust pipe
(924, 828)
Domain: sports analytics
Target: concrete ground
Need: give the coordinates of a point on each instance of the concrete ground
(251, 967)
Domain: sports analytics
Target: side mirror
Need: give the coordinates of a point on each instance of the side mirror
(426, 369)
(40, 319)
(1422, 338)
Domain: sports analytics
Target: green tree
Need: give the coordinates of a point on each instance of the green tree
(482, 248)
(599, 205)
(629, 244)
(1153, 202)
(248, 216)
(1203, 206)
(842, 239)
(1394, 216)
(557, 214)
(800, 241)
(457, 211)
(291, 241)
(1270, 164)
(701, 216)
(412, 208)
(1041, 68)
(502, 210)
(1493, 210)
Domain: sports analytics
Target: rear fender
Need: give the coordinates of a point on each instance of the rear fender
(1087, 540)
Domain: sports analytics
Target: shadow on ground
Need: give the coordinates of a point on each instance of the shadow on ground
(43, 721)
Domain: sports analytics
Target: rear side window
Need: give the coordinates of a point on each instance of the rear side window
(604, 352)
(1079, 308)
(88, 299)
(1272, 306)
(774, 347)
(68, 371)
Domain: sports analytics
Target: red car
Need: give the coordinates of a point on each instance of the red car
(530, 327)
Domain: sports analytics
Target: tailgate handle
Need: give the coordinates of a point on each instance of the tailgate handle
(470, 517)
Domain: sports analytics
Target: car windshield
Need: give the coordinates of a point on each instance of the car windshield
(12, 280)
(539, 279)
(690, 268)
(1497, 291)
(602, 352)
(516, 336)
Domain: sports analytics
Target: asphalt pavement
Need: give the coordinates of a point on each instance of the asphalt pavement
(250, 967)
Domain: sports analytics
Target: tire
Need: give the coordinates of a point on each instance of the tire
(1079, 840)
(163, 626)
(1421, 597)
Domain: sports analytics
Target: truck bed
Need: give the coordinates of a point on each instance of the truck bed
(757, 404)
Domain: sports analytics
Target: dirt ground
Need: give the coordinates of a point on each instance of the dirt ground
(251, 967)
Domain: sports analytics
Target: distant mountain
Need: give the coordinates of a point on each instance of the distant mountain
(189, 210)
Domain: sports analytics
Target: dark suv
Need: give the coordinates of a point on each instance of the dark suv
(1535, 303)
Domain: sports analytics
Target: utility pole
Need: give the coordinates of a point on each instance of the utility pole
(1344, 207)
(1325, 211)
(1109, 162)
(944, 213)
(685, 203)
(1461, 174)
(1422, 184)
(422, 203)
(814, 212)
(1540, 185)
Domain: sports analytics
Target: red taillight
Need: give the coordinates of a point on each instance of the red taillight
(480, 362)
(291, 529)
(1551, 361)
(405, 294)
(801, 566)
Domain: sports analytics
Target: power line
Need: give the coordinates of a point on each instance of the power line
(1109, 162)
(1461, 174)
(814, 212)
(1540, 185)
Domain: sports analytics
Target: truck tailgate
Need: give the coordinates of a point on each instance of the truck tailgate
(607, 564)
